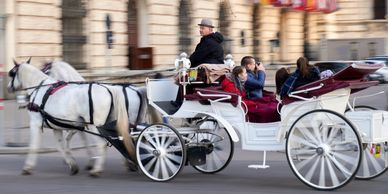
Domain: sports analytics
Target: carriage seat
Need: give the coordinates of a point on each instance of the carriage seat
(351, 77)
(212, 93)
(209, 73)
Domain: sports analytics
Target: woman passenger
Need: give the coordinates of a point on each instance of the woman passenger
(303, 74)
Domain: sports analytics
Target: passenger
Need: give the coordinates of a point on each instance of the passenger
(209, 49)
(256, 77)
(280, 77)
(303, 74)
(234, 82)
(260, 110)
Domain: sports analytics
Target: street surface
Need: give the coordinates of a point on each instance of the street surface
(52, 175)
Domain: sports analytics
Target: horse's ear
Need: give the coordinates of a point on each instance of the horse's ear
(14, 62)
(29, 60)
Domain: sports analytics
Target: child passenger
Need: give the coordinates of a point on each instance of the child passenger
(234, 81)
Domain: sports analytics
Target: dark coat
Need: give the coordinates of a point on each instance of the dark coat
(208, 50)
(295, 80)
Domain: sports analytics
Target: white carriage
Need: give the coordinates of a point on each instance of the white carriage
(325, 147)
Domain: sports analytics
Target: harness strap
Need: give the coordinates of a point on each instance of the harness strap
(111, 97)
(52, 89)
(140, 111)
(91, 108)
(47, 117)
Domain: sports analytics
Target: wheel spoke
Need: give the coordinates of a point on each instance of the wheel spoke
(301, 151)
(171, 166)
(150, 140)
(376, 166)
(146, 147)
(175, 158)
(333, 134)
(216, 159)
(345, 158)
(342, 168)
(163, 166)
(310, 173)
(303, 141)
(306, 132)
(145, 156)
(333, 176)
(365, 167)
(156, 168)
(163, 141)
(150, 164)
(322, 177)
(302, 164)
(316, 125)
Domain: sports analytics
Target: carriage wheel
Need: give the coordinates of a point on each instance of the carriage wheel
(218, 143)
(323, 149)
(160, 152)
(372, 165)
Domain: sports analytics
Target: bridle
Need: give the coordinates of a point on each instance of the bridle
(13, 73)
(47, 67)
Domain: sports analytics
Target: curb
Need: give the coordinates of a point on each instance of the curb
(24, 150)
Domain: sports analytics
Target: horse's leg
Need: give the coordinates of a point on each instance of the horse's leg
(98, 166)
(65, 152)
(87, 147)
(35, 140)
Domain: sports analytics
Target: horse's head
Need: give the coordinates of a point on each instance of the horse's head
(47, 67)
(15, 82)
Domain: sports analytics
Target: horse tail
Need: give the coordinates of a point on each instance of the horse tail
(122, 120)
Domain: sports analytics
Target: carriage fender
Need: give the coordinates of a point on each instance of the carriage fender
(229, 128)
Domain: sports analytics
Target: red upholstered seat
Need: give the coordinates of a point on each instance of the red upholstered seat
(212, 90)
(350, 77)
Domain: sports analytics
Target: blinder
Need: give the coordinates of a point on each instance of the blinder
(12, 73)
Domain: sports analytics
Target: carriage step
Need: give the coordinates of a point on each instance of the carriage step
(258, 166)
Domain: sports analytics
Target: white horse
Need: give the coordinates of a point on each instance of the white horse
(69, 104)
(137, 105)
(60, 70)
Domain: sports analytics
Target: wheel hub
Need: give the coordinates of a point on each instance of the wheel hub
(156, 153)
(323, 149)
(209, 146)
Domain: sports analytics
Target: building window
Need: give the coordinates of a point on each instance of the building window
(379, 9)
(224, 26)
(73, 37)
(184, 26)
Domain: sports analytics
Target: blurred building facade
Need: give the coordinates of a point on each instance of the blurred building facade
(151, 33)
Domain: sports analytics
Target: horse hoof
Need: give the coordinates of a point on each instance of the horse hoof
(132, 167)
(95, 174)
(74, 170)
(26, 172)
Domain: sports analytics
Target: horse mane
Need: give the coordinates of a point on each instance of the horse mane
(26, 69)
(61, 70)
